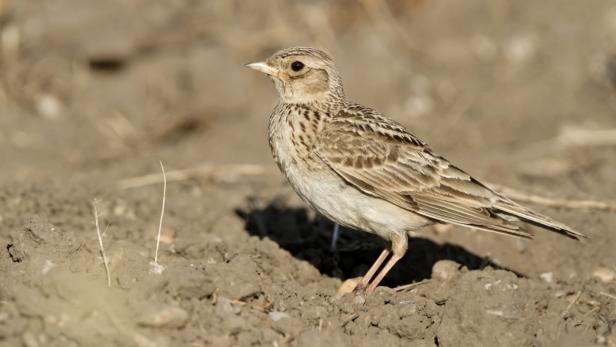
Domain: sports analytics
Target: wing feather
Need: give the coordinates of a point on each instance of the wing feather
(379, 157)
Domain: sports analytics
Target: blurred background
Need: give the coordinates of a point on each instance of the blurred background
(94, 93)
(95, 85)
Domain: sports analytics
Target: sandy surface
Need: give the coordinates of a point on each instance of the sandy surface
(95, 93)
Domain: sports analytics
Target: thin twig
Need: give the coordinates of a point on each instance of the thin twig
(349, 319)
(410, 285)
(611, 296)
(577, 297)
(162, 211)
(157, 267)
(208, 171)
(100, 243)
(552, 202)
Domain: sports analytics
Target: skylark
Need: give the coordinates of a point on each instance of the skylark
(365, 171)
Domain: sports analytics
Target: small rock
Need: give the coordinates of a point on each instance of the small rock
(277, 315)
(445, 270)
(348, 286)
(604, 274)
(547, 277)
(497, 313)
(49, 106)
(166, 317)
(156, 268)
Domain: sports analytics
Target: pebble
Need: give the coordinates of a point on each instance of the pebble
(277, 315)
(604, 274)
(547, 277)
(445, 270)
(166, 317)
(49, 106)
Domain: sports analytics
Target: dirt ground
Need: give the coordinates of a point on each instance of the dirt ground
(94, 93)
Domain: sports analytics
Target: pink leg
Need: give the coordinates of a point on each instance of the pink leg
(399, 245)
(373, 269)
(392, 261)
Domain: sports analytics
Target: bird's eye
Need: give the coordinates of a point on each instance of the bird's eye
(297, 65)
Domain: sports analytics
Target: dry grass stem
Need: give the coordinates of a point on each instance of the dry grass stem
(227, 172)
(349, 319)
(552, 202)
(608, 295)
(156, 267)
(410, 286)
(100, 243)
(577, 297)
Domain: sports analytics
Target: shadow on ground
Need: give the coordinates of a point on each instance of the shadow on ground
(309, 239)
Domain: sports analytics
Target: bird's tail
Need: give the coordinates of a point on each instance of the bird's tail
(511, 208)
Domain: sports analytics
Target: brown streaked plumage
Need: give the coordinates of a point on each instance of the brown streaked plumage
(365, 171)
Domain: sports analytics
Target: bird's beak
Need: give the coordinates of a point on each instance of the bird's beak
(263, 67)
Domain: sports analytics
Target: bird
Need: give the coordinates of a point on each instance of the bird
(365, 171)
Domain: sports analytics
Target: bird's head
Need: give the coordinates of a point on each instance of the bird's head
(302, 75)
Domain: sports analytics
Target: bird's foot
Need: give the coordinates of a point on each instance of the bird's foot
(352, 285)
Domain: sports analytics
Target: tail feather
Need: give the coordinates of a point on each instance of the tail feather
(532, 217)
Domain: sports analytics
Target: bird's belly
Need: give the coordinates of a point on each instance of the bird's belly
(331, 196)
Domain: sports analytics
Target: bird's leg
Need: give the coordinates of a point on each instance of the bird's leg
(335, 236)
(373, 269)
(399, 246)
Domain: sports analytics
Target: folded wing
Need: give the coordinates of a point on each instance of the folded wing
(380, 158)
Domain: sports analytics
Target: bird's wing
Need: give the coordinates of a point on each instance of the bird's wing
(379, 157)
